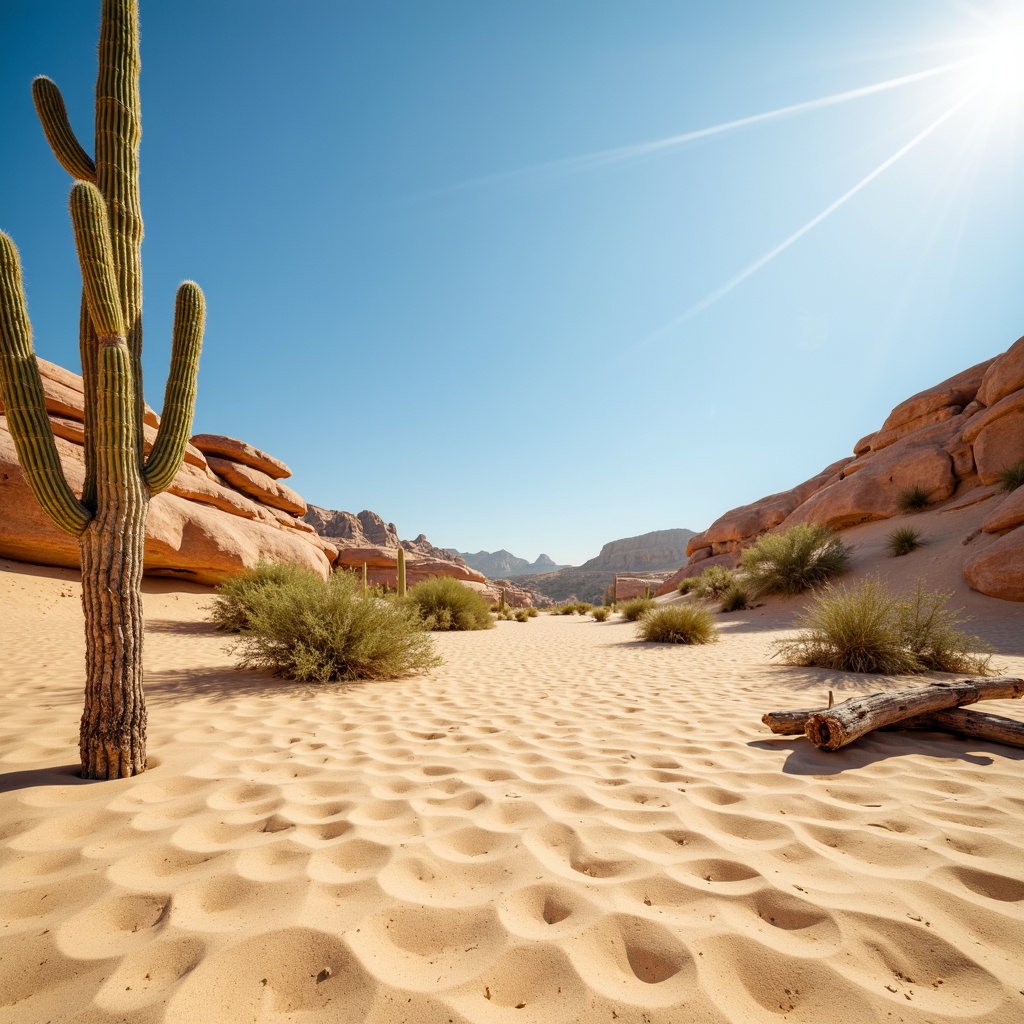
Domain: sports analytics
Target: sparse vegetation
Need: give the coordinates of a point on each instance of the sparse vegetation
(713, 582)
(302, 627)
(1012, 477)
(685, 586)
(444, 604)
(791, 562)
(679, 624)
(635, 608)
(522, 615)
(601, 614)
(735, 598)
(869, 629)
(913, 499)
(238, 596)
(531, 611)
(903, 540)
(582, 607)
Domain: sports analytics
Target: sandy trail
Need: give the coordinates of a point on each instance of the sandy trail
(560, 824)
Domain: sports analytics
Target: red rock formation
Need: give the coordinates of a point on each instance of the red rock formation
(947, 440)
(200, 529)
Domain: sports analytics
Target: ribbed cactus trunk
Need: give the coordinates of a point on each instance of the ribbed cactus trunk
(110, 516)
(401, 571)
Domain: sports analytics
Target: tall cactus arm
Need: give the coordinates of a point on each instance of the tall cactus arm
(54, 118)
(180, 395)
(22, 391)
(96, 259)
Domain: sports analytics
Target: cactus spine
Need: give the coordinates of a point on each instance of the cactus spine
(110, 517)
(401, 571)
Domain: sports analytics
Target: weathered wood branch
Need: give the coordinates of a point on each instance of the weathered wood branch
(832, 728)
(976, 724)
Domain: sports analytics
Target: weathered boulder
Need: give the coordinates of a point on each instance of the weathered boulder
(238, 451)
(996, 436)
(1004, 375)
(258, 486)
(873, 491)
(199, 543)
(74, 430)
(957, 391)
(999, 570)
(1009, 513)
(750, 521)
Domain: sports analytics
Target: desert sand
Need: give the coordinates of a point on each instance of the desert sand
(559, 824)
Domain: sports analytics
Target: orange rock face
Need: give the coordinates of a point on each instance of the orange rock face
(946, 440)
(238, 451)
(201, 529)
(258, 486)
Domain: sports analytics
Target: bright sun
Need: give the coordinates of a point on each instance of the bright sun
(1001, 63)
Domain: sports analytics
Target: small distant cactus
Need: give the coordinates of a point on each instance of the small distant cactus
(364, 577)
(502, 602)
(401, 571)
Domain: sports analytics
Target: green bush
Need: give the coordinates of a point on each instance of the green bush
(237, 597)
(601, 614)
(582, 607)
(444, 604)
(903, 540)
(790, 562)
(637, 607)
(869, 629)
(679, 624)
(685, 586)
(522, 615)
(567, 609)
(713, 582)
(303, 627)
(1012, 477)
(736, 598)
(531, 610)
(913, 499)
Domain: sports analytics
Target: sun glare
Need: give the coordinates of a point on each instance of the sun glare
(1001, 63)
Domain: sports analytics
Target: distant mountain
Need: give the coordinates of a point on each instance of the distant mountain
(657, 553)
(499, 565)
(660, 549)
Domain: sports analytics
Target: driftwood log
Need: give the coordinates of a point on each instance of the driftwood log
(922, 707)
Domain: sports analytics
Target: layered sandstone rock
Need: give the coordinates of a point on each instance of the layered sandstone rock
(258, 486)
(201, 529)
(660, 549)
(238, 451)
(947, 440)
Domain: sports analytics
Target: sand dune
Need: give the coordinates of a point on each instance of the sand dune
(560, 824)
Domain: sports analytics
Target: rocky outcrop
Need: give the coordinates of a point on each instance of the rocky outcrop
(659, 550)
(201, 529)
(258, 486)
(238, 451)
(948, 440)
(366, 530)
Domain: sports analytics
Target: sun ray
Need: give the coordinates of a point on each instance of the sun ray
(753, 268)
(619, 154)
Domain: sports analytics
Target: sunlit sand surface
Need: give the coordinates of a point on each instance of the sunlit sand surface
(560, 824)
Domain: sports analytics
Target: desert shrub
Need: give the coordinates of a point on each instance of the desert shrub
(903, 540)
(582, 607)
(601, 614)
(913, 499)
(522, 615)
(1012, 477)
(685, 586)
(735, 598)
(713, 582)
(678, 624)
(790, 562)
(869, 629)
(238, 596)
(444, 604)
(313, 630)
(567, 609)
(636, 607)
(505, 614)
(531, 610)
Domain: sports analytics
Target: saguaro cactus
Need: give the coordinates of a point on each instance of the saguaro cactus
(109, 518)
(401, 571)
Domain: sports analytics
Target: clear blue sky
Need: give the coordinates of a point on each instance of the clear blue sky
(430, 297)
